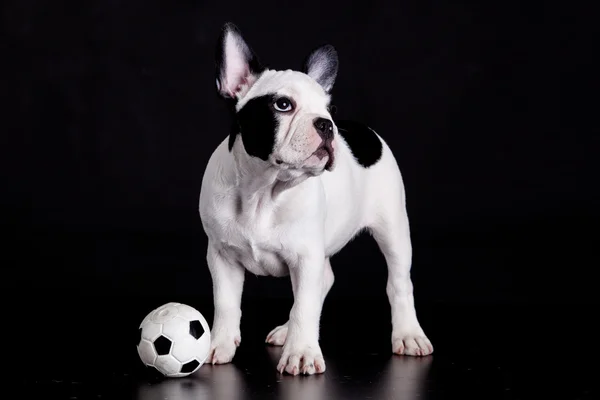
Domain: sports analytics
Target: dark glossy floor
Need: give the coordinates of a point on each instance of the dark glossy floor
(85, 348)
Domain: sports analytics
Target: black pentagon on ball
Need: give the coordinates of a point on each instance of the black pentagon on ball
(189, 366)
(196, 329)
(162, 346)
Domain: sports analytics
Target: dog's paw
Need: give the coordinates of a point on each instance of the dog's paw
(223, 349)
(306, 360)
(411, 344)
(277, 336)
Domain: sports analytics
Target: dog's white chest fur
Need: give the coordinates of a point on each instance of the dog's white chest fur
(253, 250)
(243, 232)
(254, 229)
(250, 244)
(246, 227)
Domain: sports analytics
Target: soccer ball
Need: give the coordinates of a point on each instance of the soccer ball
(174, 339)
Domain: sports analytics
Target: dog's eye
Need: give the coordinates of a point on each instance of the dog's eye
(283, 104)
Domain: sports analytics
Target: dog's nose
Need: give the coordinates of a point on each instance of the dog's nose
(324, 127)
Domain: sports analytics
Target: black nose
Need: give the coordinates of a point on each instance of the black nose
(324, 127)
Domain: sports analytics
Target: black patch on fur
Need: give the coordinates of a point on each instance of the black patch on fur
(233, 132)
(363, 142)
(257, 123)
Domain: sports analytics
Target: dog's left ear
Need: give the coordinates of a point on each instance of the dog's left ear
(322, 66)
(237, 65)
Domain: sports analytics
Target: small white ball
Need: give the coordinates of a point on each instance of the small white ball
(174, 339)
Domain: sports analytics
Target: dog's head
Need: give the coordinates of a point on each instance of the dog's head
(282, 117)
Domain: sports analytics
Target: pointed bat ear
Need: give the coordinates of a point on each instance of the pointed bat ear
(237, 65)
(322, 66)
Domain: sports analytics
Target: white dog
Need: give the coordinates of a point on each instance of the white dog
(287, 190)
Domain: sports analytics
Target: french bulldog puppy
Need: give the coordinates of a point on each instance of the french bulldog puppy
(287, 189)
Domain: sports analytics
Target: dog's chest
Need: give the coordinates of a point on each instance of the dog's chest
(252, 242)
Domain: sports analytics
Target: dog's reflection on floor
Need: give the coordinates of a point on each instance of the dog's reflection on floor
(399, 377)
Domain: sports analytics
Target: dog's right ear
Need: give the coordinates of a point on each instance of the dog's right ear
(237, 65)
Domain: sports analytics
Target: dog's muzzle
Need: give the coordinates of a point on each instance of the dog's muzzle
(324, 128)
(326, 150)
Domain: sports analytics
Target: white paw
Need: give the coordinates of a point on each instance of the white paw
(304, 359)
(411, 344)
(277, 336)
(222, 349)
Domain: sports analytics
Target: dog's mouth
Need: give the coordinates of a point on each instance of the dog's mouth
(325, 150)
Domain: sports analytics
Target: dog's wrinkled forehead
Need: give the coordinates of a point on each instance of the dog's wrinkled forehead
(299, 87)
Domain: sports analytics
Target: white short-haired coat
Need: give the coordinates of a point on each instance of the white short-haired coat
(287, 189)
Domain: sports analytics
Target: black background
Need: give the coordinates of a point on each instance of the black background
(110, 115)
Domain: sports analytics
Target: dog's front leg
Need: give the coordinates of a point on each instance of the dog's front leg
(228, 282)
(301, 351)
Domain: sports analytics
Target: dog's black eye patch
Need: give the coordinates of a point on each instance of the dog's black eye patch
(257, 123)
(362, 140)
